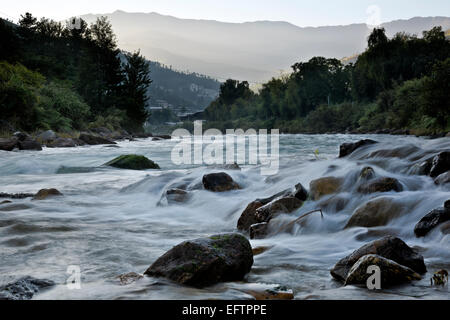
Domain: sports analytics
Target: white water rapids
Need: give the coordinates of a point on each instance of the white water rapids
(108, 222)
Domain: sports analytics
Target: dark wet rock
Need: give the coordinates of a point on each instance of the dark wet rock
(300, 192)
(15, 207)
(68, 170)
(442, 178)
(382, 184)
(258, 230)
(391, 248)
(391, 272)
(16, 195)
(324, 186)
(249, 215)
(5, 202)
(29, 144)
(164, 137)
(347, 148)
(94, 140)
(24, 289)
(276, 207)
(47, 193)
(401, 152)
(447, 204)
(62, 143)
(440, 164)
(206, 261)
(445, 228)
(219, 182)
(142, 135)
(431, 221)
(129, 278)
(377, 212)
(132, 162)
(176, 195)
(45, 136)
(367, 173)
(8, 144)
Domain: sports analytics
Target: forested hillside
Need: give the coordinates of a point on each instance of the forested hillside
(399, 84)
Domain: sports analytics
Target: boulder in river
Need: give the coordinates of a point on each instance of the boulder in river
(132, 162)
(94, 140)
(249, 216)
(8, 144)
(29, 144)
(391, 272)
(442, 178)
(377, 212)
(24, 288)
(219, 182)
(47, 193)
(278, 206)
(348, 148)
(391, 248)
(382, 184)
(205, 261)
(431, 220)
(440, 164)
(324, 186)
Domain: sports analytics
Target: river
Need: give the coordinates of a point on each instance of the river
(109, 221)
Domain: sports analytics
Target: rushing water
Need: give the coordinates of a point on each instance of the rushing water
(109, 221)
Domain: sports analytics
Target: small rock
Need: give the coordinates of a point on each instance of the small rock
(442, 178)
(219, 182)
(324, 186)
(380, 185)
(206, 261)
(24, 289)
(377, 212)
(276, 293)
(367, 173)
(391, 248)
(258, 230)
(176, 195)
(8, 144)
(347, 148)
(94, 140)
(47, 193)
(431, 220)
(440, 164)
(129, 278)
(132, 162)
(300, 192)
(391, 272)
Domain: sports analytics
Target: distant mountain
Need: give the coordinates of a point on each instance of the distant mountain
(253, 51)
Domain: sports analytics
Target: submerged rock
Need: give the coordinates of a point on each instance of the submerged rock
(206, 261)
(377, 212)
(348, 148)
(47, 193)
(275, 293)
(431, 220)
(94, 140)
(278, 206)
(132, 162)
(15, 207)
(324, 186)
(176, 195)
(442, 178)
(380, 185)
(129, 278)
(367, 173)
(260, 250)
(440, 164)
(219, 182)
(391, 272)
(24, 289)
(391, 248)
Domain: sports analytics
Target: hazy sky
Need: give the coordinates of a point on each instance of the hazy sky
(299, 12)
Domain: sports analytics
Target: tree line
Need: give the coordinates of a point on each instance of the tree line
(397, 84)
(55, 76)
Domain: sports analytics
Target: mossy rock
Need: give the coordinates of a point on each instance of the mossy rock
(132, 162)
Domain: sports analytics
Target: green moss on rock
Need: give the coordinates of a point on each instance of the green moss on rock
(132, 162)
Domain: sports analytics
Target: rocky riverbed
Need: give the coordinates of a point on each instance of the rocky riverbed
(140, 227)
